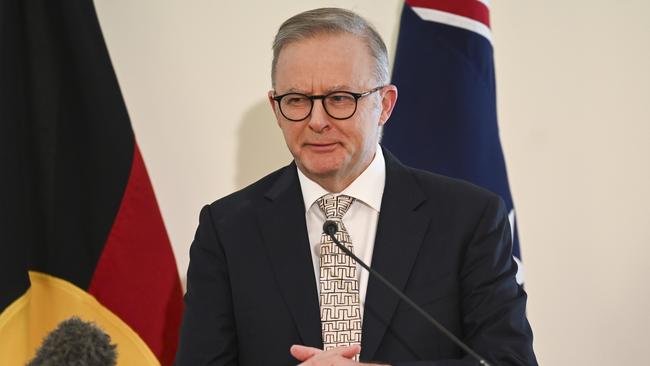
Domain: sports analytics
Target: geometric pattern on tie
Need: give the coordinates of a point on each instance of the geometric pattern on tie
(340, 309)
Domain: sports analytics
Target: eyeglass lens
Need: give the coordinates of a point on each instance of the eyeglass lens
(339, 105)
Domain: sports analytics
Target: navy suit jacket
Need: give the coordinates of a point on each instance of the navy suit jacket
(251, 290)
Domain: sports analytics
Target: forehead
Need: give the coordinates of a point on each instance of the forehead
(325, 62)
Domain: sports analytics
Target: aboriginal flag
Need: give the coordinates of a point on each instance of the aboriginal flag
(80, 230)
(446, 121)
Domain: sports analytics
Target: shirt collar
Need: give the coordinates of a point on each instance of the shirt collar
(367, 188)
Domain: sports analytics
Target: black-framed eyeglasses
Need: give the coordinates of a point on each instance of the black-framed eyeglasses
(297, 107)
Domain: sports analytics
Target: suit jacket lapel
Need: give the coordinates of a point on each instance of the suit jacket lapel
(400, 232)
(284, 231)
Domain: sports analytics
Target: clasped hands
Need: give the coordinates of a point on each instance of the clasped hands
(340, 356)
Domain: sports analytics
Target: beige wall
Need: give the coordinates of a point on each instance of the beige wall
(574, 96)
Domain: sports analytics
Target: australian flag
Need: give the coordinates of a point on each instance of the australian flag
(446, 121)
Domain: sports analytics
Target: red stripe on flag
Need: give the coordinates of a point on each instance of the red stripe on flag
(472, 9)
(136, 277)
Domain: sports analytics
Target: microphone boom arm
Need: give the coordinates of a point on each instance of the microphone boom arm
(330, 228)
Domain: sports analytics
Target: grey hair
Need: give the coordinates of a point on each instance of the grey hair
(332, 21)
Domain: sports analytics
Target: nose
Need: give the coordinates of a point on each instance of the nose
(318, 119)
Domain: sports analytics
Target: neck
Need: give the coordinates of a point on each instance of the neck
(333, 184)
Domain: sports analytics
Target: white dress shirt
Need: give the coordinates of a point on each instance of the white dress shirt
(360, 220)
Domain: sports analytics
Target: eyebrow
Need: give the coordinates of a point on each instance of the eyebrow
(326, 91)
(338, 88)
(294, 90)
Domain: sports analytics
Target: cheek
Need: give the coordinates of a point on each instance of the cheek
(365, 135)
(291, 136)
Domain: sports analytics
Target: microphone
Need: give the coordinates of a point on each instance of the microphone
(331, 227)
(74, 343)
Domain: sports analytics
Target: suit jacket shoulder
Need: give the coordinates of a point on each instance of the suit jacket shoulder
(458, 200)
(252, 196)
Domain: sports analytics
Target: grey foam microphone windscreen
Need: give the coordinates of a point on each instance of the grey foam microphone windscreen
(76, 343)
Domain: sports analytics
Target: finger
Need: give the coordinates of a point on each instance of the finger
(303, 353)
(345, 351)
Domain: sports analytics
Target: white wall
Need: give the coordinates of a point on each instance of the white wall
(573, 94)
(574, 107)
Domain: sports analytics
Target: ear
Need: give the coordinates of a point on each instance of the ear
(388, 100)
(274, 106)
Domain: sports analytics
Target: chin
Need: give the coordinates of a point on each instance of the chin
(320, 168)
(321, 172)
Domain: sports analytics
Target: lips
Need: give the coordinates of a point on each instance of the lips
(321, 146)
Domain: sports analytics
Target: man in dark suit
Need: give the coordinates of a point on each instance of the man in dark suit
(265, 287)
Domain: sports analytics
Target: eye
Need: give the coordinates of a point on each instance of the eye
(295, 100)
(340, 99)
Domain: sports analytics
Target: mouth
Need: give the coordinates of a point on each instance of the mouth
(321, 147)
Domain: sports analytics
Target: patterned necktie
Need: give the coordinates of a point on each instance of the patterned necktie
(340, 310)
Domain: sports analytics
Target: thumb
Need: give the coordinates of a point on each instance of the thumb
(350, 351)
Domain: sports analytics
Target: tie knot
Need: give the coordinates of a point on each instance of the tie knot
(335, 207)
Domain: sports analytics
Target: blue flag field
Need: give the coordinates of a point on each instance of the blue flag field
(446, 120)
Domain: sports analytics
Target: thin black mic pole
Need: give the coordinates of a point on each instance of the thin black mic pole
(330, 228)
